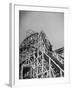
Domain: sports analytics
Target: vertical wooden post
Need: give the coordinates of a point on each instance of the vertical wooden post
(60, 73)
(42, 64)
(49, 67)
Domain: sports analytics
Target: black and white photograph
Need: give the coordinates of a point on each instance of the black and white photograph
(41, 44)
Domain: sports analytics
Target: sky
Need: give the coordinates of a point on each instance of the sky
(52, 23)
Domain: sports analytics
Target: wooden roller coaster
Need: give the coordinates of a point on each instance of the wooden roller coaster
(38, 60)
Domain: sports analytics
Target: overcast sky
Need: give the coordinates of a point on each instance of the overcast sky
(52, 23)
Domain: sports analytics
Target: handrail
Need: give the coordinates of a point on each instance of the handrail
(55, 62)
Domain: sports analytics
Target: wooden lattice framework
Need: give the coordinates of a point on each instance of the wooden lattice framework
(38, 61)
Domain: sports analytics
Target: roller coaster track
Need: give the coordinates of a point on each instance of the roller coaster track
(55, 61)
(49, 54)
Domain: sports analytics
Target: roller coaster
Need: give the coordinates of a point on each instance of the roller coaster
(38, 60)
